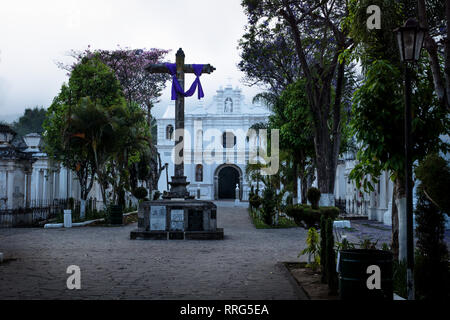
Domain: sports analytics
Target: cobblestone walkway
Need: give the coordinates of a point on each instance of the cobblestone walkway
(243, 266)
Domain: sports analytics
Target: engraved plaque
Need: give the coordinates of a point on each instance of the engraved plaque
(177, 220)
(158, 218)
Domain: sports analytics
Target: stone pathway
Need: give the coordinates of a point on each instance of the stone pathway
(243, 266)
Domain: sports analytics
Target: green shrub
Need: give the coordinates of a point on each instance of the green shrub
(431, 271)
(269, 203)
(156, 196)
(432, 276)
(434, 173)
(307, 217)
(255, 201)
(399, 278)
(330, 212)
(313, 196)
(140, 193)
(323, 249)
(312, 249)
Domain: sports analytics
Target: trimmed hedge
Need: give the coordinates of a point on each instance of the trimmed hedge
(255, 201)
(305, 216)
(313, 196)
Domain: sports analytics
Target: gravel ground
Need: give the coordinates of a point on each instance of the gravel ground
(243, 266)
(375, 231)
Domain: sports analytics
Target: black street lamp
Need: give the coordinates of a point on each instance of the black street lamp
(410, 40)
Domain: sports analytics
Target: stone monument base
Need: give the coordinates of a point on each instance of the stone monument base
(187, 235)
(177, 220)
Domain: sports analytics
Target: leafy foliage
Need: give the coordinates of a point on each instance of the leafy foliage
(432, 273)
(312, 30)
(312, 249)
(307, 217)
(31, 122)
(269, 204)
(314, 197)
(434, 173)
(140, 193)
(128, 65)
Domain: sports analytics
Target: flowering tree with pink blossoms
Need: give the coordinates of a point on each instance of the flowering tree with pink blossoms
(128, 64)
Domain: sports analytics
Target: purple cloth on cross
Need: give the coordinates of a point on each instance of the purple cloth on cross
(176, 87)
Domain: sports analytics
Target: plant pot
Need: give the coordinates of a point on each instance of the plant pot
(115, 215)
(353, 274)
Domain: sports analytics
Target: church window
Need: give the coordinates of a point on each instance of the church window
(169, 132)
(229, 140)
(199, 173)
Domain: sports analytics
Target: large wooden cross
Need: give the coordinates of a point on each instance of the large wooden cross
(179, 182)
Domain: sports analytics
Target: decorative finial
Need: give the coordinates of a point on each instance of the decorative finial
(180, 52)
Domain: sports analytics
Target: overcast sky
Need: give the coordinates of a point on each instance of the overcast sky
(36, 34)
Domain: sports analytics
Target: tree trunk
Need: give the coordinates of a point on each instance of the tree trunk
(326, 172)
(83, 176)
(327, 140)
(441, 87)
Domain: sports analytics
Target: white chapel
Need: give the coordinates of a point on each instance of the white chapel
(212, 157)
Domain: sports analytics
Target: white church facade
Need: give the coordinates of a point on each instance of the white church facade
(214, 159)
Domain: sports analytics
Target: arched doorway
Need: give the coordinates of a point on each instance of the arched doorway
(228, 178)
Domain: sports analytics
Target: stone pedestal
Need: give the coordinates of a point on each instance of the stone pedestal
(67, 218)
(177, 220)
(178, 189)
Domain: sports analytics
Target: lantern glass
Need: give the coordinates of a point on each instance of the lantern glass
(409, 44)
(410, 40)
(419, 42)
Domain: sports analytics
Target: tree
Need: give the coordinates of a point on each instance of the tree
(30, 122)
(291, 115)
(267, 59)
(138, 86)
(378, 106)
(91, 83)
(128, 65)
(133, 145)
(319, 40)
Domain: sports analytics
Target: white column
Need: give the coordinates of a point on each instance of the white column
(10, 188)
(69, 183)
(57, 184)
(45, 187)
(25, 189)
(34, 184)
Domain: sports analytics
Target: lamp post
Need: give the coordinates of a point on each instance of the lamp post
(410, 40)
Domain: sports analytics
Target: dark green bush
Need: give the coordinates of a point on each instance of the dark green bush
(399, 278)
(156, 196)
(434, 173)
(313, 196)
(432, 275)
(323, 249)
(140, 193)
(269, 203)
(255, 201)
(307, 217)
